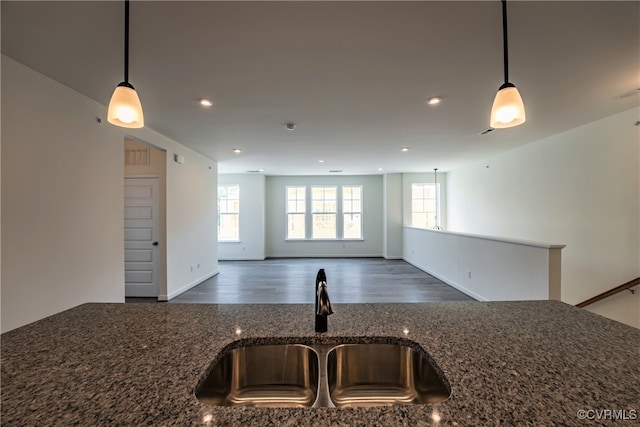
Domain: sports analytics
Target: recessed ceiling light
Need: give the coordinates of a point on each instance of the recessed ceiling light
(405, 149)
(320, 161)
(380, 169)
(434, 100)
(237, 150)
(205, 102)
(290, 126)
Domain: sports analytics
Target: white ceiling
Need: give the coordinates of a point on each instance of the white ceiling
(353, 76)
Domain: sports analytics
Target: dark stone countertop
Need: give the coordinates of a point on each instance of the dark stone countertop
(508, 363)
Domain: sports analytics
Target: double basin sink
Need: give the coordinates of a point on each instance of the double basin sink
(323, 375)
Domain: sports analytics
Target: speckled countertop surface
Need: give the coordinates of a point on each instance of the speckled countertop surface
(508, 363)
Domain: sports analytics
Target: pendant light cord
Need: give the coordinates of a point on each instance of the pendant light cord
(435, 184)
(504, 40)
(126, 41)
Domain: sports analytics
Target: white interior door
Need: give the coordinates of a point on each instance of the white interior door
(141, 211)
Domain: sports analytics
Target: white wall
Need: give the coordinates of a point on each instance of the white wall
(191, 199)
(252, 218)
(63, 202)
(487, 268)
(392, 238)
(579, 188)
(372, 197)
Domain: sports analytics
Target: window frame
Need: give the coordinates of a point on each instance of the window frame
(345, 212)
(325, 201)
(435, 214)
(223, 213)
(302, 212)
(338, 213)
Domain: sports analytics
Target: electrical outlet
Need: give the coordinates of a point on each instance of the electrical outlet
(469, 273)
(192, 268)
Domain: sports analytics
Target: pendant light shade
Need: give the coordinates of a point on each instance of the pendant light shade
(508, 108)
(125, 109)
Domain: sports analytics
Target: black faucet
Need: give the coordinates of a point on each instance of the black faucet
(323, 305)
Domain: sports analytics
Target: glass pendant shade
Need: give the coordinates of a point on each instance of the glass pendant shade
(125, 109)
(508, 108)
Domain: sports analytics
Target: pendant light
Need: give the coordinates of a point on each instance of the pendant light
(508, 108)
(435, 184)
(125, 109)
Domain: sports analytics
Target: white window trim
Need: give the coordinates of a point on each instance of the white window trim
(309, 214)
(438, 205)
(238, 213)
(286, 212)
(309, 218)
(361, 212)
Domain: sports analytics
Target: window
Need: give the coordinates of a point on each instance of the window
(296, 212)
(352, 212)
(329, 212)
(228, 213)
(324, 212)
(423, 205)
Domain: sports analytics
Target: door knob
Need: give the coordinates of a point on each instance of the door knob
(155, 243)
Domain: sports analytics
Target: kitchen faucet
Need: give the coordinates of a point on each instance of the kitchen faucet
(323, 305)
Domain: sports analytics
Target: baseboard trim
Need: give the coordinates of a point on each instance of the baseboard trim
(447, 281)
(298, 255)
(186, 287)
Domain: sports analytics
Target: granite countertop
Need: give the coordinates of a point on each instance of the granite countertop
(508, 363)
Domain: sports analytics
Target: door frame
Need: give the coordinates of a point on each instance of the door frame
(162, 229)
(154, 182)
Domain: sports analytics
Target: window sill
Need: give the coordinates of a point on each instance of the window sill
(324, 240)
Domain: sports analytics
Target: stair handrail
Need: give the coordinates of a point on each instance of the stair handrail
(630, 284)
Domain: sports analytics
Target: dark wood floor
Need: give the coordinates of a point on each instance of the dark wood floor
(292, 281)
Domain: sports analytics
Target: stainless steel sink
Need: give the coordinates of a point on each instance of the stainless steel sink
(382, 375)
(322, 375)
(282, 376)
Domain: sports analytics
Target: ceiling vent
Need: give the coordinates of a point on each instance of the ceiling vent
(137, 156)
(335, 171)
